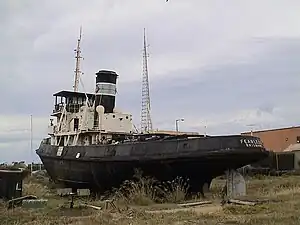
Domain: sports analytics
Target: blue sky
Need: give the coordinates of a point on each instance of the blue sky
(220, 65)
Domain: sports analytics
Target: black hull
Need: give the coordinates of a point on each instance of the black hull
(102, 167)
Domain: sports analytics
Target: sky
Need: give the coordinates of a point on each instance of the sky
(224, 66)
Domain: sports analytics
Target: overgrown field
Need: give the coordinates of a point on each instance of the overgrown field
(141, 203)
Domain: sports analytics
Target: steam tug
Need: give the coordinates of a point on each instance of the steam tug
(91, 145)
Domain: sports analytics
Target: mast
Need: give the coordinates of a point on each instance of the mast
(31, 169)
(77, 68)
(146, 123)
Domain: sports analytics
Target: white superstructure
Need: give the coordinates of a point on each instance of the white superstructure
(75, 122)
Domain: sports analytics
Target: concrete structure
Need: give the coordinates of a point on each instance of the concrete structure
(297, 160)
(277, 140)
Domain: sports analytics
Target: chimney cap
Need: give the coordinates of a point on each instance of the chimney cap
(106, 72)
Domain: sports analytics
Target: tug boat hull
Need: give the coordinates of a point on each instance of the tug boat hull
(102, 167)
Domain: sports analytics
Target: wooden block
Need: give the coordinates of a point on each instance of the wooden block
(64, 191)
(83, 192)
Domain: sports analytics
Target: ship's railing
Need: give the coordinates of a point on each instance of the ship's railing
(52, 129)
(46, 141)
(70, 107)
(73, 107)
(58, 108)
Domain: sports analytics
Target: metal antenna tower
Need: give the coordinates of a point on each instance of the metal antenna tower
(77, 68)
(146, 123)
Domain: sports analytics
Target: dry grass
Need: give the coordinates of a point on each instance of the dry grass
(285, 191)
(145, 191)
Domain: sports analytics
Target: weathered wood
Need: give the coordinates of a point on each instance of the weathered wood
(92, 206)
(17, 201)
(34, 203)
(112, 204)
(63, 191)
(83, 192)
(242, 202)
(194, 203)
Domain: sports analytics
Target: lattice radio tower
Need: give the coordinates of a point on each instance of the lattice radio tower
(146, 123)
(78, 58)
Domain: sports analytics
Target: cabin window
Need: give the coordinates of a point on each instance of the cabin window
(114, 116)
(127, 117)
(76, 124)
(121, 119)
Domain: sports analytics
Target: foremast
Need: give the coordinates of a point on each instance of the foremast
(77, 66)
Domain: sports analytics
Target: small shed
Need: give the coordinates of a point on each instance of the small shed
(11, 184)
(295, 150)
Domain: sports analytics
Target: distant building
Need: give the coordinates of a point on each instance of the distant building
(278, 140)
